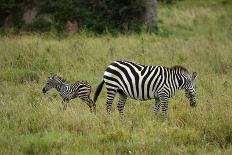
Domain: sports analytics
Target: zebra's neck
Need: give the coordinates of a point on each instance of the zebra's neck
(175, 84)
(179, 81)
(59, 85)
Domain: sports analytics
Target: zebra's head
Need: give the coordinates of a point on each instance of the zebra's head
(190, 89)
(53, 81)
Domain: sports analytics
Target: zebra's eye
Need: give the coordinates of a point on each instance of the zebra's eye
(47, 83)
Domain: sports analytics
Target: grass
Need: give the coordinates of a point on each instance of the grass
(196, 35)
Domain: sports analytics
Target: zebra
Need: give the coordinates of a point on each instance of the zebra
(67, 91)
(141, 82)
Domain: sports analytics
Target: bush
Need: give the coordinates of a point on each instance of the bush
(99, 16)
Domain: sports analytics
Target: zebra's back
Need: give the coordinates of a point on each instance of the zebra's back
(82, 87)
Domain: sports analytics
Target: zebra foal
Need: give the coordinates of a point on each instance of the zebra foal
(142, 82)
(67, 91)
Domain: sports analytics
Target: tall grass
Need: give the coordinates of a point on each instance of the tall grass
(192, 34)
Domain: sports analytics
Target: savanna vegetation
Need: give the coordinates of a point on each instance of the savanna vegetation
(52, 15)
(194, 34)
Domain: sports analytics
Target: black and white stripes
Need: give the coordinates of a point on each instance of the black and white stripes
(142, 82)
(67, 91)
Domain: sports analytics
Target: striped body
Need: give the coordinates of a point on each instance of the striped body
(138, 81)
(67, 91)
(80, 89)
(142, 82)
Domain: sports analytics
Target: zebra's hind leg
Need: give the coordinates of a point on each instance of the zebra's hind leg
(89, 102)
(91, 105)
(156, 106)
(121, 104)
(110, 98)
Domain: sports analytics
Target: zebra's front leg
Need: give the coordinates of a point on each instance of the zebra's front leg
(121, 104)
(163, 102)
(164, 106)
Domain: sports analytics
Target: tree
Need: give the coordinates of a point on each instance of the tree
(150, 15)
(95, 15)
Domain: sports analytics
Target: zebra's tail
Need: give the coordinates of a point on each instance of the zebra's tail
(98, 91)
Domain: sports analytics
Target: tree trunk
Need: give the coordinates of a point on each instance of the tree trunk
(150, 15)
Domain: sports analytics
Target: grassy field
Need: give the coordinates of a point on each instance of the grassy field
(196, 35)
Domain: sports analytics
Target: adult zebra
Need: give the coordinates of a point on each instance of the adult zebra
(145, 82)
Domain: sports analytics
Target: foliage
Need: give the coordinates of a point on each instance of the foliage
(96, 15)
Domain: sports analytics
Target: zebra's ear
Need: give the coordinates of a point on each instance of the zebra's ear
(194, 75)
(51, 74)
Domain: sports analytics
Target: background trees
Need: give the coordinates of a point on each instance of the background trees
(95, 15)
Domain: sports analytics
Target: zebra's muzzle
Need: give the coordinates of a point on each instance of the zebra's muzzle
(192, 100)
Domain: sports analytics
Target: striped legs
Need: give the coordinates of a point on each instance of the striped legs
(65, 103)
(162, 101)
(164, 106)
(156, 106)
(89, 102)
(121, 104)
(121, 101)
(91, 105)
(110, 98)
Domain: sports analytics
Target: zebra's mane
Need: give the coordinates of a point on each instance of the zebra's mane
(60, 78)
(177, 67)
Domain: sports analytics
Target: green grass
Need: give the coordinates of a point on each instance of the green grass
(195, 35)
